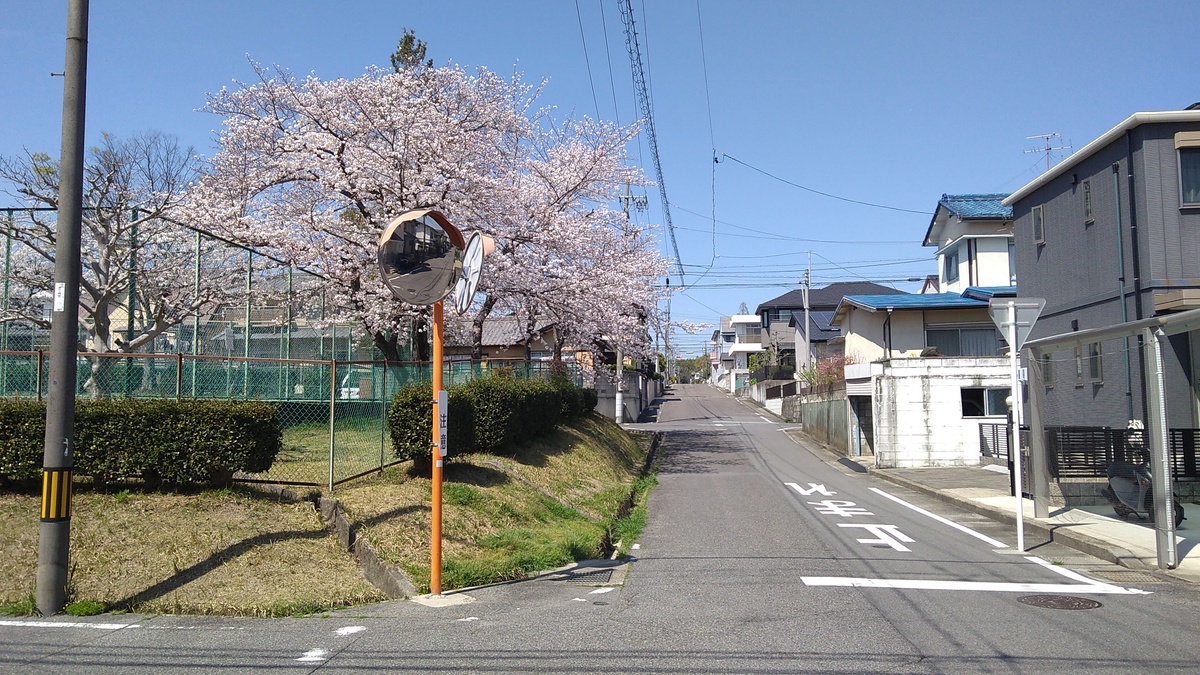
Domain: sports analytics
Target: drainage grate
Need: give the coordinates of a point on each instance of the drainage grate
(1126, 577)
(1059, 602)
(585, 577)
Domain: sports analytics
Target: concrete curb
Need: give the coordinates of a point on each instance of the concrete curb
(386, 578)
(1056, 533)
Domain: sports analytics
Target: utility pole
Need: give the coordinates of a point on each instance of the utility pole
(1047, 149)
(807, 338)
(54, 533)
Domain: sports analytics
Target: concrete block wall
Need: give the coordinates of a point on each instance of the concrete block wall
(917, 403)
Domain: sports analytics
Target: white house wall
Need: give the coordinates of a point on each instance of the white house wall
(918, 419)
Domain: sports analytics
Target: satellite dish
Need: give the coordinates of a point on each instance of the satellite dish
(472, 267)
(419, 257)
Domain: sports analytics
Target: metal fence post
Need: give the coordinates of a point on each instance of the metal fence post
(332, 414)
(246, 345)
(383, 411)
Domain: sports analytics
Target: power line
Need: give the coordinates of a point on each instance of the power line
(587, 60)
(612, 84)
(818, 192)
(774, 236)
(639, 84)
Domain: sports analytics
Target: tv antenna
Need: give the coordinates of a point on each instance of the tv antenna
(1048, 149)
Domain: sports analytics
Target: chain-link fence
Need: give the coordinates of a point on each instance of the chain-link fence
(333, 413)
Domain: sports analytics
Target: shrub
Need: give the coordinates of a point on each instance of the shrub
(410, 422)
(177, 442)
(487, 414)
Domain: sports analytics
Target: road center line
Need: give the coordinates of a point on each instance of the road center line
(982, 537)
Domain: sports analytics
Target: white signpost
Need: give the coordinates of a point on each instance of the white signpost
(1015, 318)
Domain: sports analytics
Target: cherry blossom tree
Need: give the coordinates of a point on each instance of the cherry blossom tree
(313, 170)
(131, 187)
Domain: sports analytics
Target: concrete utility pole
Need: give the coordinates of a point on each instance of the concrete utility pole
(54, 535)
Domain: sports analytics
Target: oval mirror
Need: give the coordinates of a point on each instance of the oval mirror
(420, 257)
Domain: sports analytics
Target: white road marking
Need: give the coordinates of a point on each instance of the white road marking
(995, 467)
(69, 624)
(313, 655)
(840, 507)
(963, 528)
(1070, 574)
(467, 619)
(606, 589)
(990, 586)
(350, 630)
(579, 599)
(763, 418)
(812, 487)
(886, 534)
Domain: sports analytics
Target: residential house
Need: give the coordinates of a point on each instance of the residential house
(1112, 234)
(973, 235)
(506, 337)
(927, 372)
(787, 335)
(738, 338)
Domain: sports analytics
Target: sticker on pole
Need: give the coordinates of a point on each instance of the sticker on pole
(443, 416)
(1027, 311)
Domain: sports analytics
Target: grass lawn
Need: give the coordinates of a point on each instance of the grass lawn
(496, 528)
(305, 455)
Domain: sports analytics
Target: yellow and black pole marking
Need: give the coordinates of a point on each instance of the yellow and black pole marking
(56, 495)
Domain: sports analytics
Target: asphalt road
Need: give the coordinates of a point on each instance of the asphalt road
(761, 555)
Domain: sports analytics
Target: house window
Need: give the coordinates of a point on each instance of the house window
(1095, 365)
(964, 341)
(1189, 175)
(1078, 366)
(1012, 262)
(1039, 226)
(1047, 371)
(985, 401)
(950, 266)
(1087, 202)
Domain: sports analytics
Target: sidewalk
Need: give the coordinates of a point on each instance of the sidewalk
(1095, 530)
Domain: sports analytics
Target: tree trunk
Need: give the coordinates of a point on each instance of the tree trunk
(387, 343)
(477, 328)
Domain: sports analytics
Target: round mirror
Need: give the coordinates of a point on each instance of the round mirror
(420, 258)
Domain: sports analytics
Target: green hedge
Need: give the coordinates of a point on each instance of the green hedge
(487, 414)
(177, 442)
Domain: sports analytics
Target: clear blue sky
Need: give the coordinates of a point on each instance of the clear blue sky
(893, 103)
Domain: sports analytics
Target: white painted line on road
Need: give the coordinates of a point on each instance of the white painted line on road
(989, 586)
(468, 619)
(888, 535)
(812, 487)
(606, 589)
(579, 599)
(350, 630)
(69, 624)
(313, 655)
(963, 528)
(1070, 574)
(763, 418)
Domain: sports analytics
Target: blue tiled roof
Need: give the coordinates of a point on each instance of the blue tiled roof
(971, 298)
(977, 206)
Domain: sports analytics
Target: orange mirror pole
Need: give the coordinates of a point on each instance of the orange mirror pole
(435, 569)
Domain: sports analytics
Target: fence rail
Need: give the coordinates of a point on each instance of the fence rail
(1086, 452)
(333, 413)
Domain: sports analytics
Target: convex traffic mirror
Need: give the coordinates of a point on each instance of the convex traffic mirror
(420, 257)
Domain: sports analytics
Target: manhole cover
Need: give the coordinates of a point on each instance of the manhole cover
(587, 578)
(1059, 602)
(1122, 577)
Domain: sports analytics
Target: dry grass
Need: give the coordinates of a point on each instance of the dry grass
(359, 445)
(242, 552)
(219, 552)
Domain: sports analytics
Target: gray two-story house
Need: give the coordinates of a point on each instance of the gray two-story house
(786, 333)
(1112, 234)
